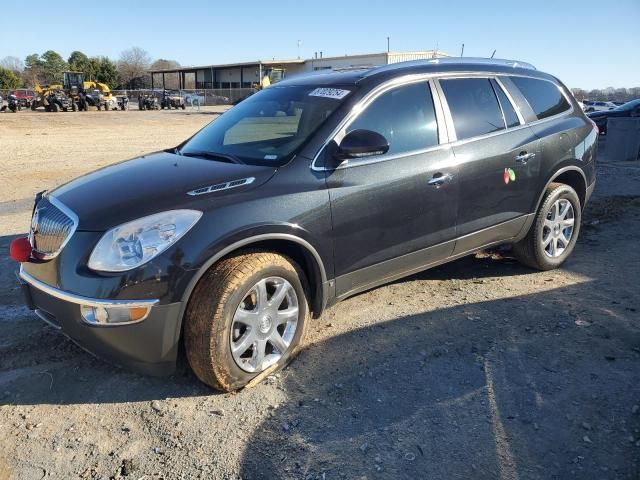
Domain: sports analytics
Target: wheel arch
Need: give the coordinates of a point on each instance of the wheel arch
(569, 175)
(298, 249)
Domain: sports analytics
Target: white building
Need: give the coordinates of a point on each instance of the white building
(247, 74)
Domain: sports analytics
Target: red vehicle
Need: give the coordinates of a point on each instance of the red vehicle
(25, 97)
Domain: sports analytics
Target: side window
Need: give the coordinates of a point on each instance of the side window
(405, 116)
(545, 97)
(473, 105)
(510, 116)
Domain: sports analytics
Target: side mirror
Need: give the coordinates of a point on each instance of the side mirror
(362, 143)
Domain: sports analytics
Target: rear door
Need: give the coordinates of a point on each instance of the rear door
(497, 157)
(387, 210)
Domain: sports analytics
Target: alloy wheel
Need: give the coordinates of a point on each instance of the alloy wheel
(264, 324)
(558, 228)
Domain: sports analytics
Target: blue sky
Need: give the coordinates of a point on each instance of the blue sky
(588, 43)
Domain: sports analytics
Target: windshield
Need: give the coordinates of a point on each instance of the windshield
(268, 127)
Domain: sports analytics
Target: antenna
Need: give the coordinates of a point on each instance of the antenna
(462, 51)
(494, 52)
(299, 43)
(388, 44)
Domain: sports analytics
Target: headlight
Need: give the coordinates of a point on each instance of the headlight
(135, 243)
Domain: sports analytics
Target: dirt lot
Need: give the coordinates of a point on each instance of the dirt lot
(479, 369)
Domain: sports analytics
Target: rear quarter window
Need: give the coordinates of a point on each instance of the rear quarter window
(545, 98)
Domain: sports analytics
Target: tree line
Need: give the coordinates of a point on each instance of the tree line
(130, 71)
(608, 94)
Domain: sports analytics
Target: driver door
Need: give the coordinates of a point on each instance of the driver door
(394, 213)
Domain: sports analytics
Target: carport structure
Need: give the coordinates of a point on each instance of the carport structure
(231, 75)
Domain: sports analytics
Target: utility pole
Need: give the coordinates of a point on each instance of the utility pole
(388, 49)
(299, 43)
(462, 51)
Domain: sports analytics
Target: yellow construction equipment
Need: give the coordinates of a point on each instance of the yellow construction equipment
(271, 75)
(75, 93)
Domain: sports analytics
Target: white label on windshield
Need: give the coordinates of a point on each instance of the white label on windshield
(271, 157)
(335, 93)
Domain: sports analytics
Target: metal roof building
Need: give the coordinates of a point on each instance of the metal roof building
(246, 74)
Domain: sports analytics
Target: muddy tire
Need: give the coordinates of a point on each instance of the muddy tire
(555, 229)
(248, 314)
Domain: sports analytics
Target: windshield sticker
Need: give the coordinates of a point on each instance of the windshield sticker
(335, 93)
(271, 157)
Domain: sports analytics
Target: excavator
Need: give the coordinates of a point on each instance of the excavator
(99, 95)
(51, 97)
(74, 94)
(271, 75)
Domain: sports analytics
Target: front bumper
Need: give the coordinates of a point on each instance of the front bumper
(149, 346)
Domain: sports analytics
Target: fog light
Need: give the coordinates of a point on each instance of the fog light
(113, 315)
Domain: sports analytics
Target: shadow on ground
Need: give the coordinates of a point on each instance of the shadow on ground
(500, 389)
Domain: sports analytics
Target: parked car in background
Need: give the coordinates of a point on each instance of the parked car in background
(629, 109)
(25, 97)
(300, 196)
(193, 98)
(598, 106)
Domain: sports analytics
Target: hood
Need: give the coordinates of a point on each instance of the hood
(150, 184)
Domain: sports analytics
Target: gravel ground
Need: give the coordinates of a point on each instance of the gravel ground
(478, 369)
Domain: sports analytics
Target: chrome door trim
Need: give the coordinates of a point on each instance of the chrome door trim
(433, 79)
(444, 131)
(513, 104)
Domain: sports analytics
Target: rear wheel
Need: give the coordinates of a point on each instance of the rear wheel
(555, 229)
(247, 314)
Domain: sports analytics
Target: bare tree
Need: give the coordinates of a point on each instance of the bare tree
(172, 82)
(133, 66)
(163, 64)
(12, 63)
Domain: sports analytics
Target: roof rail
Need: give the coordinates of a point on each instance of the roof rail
(453, 61)
(484, 61)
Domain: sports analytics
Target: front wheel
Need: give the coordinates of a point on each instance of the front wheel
(247, 314)
(555, 229)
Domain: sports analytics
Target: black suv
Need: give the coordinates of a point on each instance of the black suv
(312, 190)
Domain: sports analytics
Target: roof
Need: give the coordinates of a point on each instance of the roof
(352, 76)
(298, 61)
(228, 65)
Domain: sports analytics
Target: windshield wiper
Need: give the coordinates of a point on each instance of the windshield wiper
(220, 157)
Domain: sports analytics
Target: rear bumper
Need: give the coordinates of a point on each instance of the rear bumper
(149, 346)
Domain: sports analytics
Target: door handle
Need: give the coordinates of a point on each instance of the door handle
(440, 179)
(524, 157)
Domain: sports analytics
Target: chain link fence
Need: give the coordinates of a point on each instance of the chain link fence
(195, 97)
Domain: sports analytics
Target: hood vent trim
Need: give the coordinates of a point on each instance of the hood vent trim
(222, 186)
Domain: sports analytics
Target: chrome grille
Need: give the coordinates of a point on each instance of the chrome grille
(52, 225)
